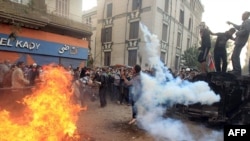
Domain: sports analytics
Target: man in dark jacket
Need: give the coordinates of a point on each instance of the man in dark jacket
(220, 52)
(103, 79)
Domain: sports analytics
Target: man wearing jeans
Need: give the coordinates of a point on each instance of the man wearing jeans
(135, 82)
(241, 38)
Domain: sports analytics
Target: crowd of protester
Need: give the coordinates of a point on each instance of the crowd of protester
(105, 84)
(22, 75)
(18, 75)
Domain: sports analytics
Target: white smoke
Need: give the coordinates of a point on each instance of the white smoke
(163, 90)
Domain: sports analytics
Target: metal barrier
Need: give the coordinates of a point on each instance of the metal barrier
(20, 91)
(11, 100)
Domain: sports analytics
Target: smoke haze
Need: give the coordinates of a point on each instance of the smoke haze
(163, 90)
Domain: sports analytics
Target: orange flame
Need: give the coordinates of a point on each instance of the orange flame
(49, 113)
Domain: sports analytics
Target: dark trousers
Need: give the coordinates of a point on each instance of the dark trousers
(116, 93)
(236, 58)
(220, 55)
(102, 94)
(124, 95)
(134, 109)
(249, 66)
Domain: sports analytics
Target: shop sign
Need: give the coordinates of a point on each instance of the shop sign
(73, 50)
(5, 42)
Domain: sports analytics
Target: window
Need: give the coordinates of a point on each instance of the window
(176, 62)
(136, 5)
(192, 4)
(88, 20)
(188, 42)
(164, 32)
(62, 7)
(190, 24)
(181, 17)
(132, 57)
(166, 8)
(162, 57)
(109, 10)
(106, 34)
(179, 39)
(17, 1)
(134, 30)
(107, 58)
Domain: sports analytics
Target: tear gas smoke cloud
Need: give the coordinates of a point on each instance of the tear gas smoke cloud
(163, 90)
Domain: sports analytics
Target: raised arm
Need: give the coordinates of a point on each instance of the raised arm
(245, 29)
(126, 81)
(234, 25)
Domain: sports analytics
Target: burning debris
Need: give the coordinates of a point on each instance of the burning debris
(48, 114)
(78, 137)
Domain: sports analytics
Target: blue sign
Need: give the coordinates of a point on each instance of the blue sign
(34, 46)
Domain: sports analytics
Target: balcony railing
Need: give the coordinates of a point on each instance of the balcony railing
(15, 12)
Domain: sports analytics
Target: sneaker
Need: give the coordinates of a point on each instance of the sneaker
(132, 121)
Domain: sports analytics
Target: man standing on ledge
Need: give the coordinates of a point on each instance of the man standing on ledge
(220, 52)
(241, 38)
(205, 46)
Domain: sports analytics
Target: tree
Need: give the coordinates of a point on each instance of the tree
(189, 57)
(90, 61)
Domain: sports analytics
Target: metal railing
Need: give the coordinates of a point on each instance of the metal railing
(40, 17)
(21, 91)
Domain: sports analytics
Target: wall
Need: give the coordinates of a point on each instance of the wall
(41, 46)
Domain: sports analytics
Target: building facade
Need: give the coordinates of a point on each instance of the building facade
(43, 32)
(89, 17)
(119, 39)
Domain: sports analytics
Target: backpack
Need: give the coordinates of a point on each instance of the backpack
(111, 79)
(104, 80)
